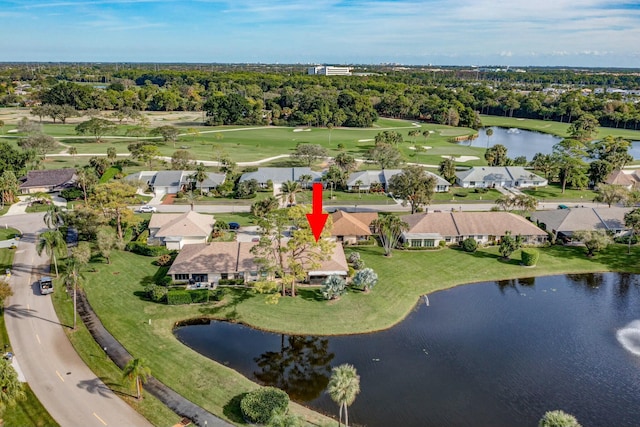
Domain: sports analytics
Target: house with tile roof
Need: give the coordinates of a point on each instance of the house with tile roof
(564, 222)
(177, 230)
(626, 179)
(350, 228)
(364, 180)
(171, 182)
(211, 262)
(46, 181)
(487, 228)
(499, 176)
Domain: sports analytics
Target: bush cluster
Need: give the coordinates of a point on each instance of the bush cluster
(259, 405)
(230, 282)
(143, 249)
(530, 257)
(182, 296)
(469, 244)
(164, 260)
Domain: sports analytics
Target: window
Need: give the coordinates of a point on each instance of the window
(447, 239)
(201, 277)
(429, 243)
(253, 273)
(181, 276)
(224, 276)
(416, 243)
(472, 184)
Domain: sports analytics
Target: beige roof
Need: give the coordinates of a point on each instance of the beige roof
(471, 223)
(223, 257)
(356, 224)
(188, 224)
(567, 221)
(228, 257)
(618, 177)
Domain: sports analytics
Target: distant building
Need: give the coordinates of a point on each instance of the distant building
(326, 70)
(499, 176)
(46, 181)
(171, 182)
(363, 180)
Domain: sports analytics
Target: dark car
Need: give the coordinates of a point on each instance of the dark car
(234, 226)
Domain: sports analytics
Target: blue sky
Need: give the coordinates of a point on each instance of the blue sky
(602, 33)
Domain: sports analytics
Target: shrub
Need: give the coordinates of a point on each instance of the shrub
(625, 239)
(143, 249)
(164, 260)
(365, 279)
(230, 282)
(155, 293)
(558, 419)
(460, 194)
(469, 244)
(333, 287)
(259, 405)
(353, 257)
(178, 297)
(480, 190)
(530, 257)
(442, 243)
(358, 265)
(164, 281)
(143, 237)
(72, 194)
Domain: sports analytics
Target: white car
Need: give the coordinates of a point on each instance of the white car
(147, 209)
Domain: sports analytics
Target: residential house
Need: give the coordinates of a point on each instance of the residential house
(364, 180)
(211, 262)
(626, 179)
(564, 222)
(46, 181)
(429, 229)
(278, 176)
(171, 182)
(499, 176)
(177, 230)
(350, 228)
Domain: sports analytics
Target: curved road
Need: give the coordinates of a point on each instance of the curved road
(72, 394)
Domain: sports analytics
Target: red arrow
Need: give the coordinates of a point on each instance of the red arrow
(317, 219)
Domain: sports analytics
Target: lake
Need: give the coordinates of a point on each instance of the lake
(526, 143)
(487, 354)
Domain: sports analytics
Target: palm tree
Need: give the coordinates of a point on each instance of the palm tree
(51, 241)
(305, 180)
(73, 277)
(358, 184)
(200, 175)
(73, 151)
(54, 217)
(12, 389)
(289, 190)
(111, 154)
(489, 135)
(505, 201)
(191, 198)
(138, 371)
(632, 222)
(525, 202)
(343, 388)
(389, 228)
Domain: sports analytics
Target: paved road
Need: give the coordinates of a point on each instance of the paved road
(72, 394)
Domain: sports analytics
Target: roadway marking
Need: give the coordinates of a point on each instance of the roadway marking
(38, 338)
(60, 376)
(100, 419)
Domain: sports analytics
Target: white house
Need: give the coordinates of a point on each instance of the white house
(171, 182)
(363, 180)
(499, 176)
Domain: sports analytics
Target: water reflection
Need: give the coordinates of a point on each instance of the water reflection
(301, 367)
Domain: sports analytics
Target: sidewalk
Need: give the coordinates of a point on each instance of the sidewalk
(121, 357)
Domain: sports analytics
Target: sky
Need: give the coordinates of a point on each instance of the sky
(579, 33)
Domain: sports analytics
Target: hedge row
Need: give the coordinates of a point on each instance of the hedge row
(143, 249)
(530, 257)
(181, 296)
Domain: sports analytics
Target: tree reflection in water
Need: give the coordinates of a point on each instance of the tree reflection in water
(301, 367)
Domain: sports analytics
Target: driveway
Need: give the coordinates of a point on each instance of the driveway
(72, 394)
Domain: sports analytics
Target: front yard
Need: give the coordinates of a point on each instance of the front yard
(145, 328)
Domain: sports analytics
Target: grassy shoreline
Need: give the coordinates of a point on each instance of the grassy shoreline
(146, 328)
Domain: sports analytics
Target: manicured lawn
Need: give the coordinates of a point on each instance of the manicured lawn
(150, 407)
(553, 192)
(4, 210)
(37, 207)
(552, 127)
(242, 218)
(8, 233)
(115, 293)
(6, 260)
(462, 195)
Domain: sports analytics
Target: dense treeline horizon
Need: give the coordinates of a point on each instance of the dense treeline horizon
(285, 95)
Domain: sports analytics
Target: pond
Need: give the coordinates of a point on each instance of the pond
(520, 142)
(486, 354)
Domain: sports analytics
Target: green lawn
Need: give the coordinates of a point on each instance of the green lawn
(553, 192)
(4, 210)
(150, 407)
(552, 127)
(145, 328)
(28, 412)
(8, 233)
(37, 207)
(462, 195)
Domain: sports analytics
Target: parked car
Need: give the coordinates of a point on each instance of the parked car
(147, 209)
(234, 226)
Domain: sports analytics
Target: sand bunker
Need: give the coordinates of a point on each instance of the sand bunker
(366, 140)
(424, 147)
(302, 130)
(461, 158)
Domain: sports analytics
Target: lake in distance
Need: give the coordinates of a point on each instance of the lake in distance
(487, 354)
